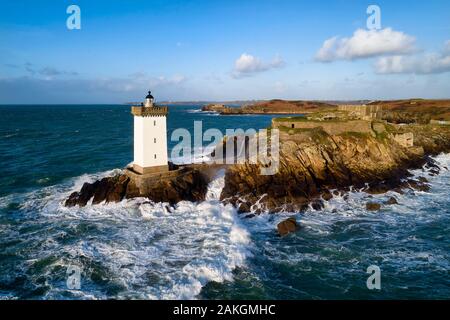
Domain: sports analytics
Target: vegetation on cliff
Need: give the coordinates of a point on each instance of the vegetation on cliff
(313, 163)
(415, 110)
(275, 106)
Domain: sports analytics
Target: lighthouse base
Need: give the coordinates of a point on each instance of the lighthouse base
(145, 170)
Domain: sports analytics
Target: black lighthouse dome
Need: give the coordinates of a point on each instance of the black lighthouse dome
(149, 96)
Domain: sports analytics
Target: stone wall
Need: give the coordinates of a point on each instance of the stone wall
(363, 111)
(143, 182)
(330, 127)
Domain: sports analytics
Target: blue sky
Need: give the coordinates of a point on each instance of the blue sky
(223, 50)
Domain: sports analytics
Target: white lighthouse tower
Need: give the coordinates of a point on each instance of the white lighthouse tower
(150, 138)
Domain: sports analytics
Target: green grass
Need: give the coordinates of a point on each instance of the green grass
(355, 134)
(382, 136)
(295, 130)
(292, 119)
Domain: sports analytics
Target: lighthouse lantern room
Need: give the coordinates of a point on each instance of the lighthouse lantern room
(150, 138)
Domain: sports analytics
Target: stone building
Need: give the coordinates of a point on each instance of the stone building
(364, 112)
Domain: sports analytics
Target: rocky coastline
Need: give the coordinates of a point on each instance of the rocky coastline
(315, 166)
(271, 107)
(318, 160)
(184, 183)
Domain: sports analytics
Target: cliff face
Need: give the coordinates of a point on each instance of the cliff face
(312, 162)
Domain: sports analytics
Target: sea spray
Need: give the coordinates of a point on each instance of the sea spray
(329, 256)
(132, 249)
(140, 249)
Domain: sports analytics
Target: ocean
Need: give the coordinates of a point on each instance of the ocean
(137, 249)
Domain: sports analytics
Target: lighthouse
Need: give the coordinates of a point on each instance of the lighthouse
(150, 137)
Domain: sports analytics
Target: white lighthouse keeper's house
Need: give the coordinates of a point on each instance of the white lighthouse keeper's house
(150, 138)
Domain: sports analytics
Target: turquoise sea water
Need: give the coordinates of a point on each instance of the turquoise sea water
(140, 249)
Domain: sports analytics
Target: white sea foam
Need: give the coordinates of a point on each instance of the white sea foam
(199, 155)
(385, 234)
(150, 249)
(206, 113)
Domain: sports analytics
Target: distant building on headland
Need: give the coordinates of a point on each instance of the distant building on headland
(150, 137)
(364, 112)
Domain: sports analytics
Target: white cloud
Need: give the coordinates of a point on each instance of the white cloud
(247, 65)
(141, 80)
(48, 73)
(447, 47)
(280, 87)
(420, 64)
(162, 80)
(366, 44)
(132, 87)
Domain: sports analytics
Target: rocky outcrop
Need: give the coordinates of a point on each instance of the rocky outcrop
(391, 201)
(313, 162)
(373, 206)
(187, 184)
(110, 189)
(219, 108)
(190, 185)
(287, 226)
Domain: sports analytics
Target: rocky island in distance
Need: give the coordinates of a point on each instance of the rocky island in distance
(322, 154)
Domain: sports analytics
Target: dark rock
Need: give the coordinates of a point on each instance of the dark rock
(118, 190)
(373, 206)
(327, 195)
(109, 189)
(172, 166)
(189, 184)
(287, 226)
(244, 207)
(103, 187)
(419, 186)
(82, 197)
(433, 172)
(258, 211)
(378, 189)
(384, 186)
(317, 205)
(391, 200)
